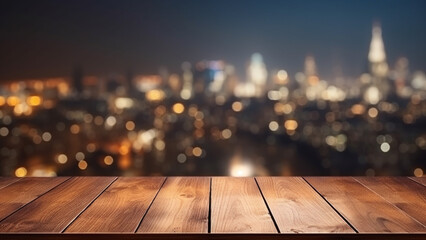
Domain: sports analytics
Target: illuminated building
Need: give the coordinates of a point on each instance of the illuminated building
(257, 74)
(209, 77)
(400, 75)
(379, 87)
(186, 92)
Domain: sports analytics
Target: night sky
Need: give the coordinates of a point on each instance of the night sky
(47, 38)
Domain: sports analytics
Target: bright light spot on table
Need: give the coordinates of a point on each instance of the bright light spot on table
(241, 170)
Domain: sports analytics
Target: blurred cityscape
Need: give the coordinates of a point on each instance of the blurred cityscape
(206, 120)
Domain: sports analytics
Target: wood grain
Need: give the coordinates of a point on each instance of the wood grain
(120, 208)
(6, 181)
(55, 210)
(421, 180)
(22, 192)
(182, 205)
(401, 192)
(238, 207)
(364, 209)
(297, 208)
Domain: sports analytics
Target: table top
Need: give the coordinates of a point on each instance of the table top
(213, 207)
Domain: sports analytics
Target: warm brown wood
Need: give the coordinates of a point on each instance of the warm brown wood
(216, 236)
(421, 180)
(120, 208)
(238, 207)
(182, 206)
(297, 208)
(364, 209)
(400, 191)
(22, 192)
(6, 181)
(55, 210)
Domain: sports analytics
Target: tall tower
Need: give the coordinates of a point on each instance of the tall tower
(257, 73)
(377, 55)
(380, 87)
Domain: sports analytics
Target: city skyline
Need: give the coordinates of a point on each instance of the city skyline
(339, 43)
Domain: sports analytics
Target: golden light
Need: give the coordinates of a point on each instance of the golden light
(241, 169)
(358, 109)
(130, 125)
(75, 129)
(197, 151)
(62, 158)
(34, 101)
(108, 160)
(82, 165)
(313, 80)
(160, 145)
(273, 126)
(178, 108)
(123, 102)
(226, 133)
(155, 95)
(282, 76)
(21, 172)
(418, 172)
(237, 106)
(124, 149)
(290, 125)
(124, 162)
(13, 101)
(2, 100)
(373, 112)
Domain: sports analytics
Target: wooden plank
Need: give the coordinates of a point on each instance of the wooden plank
(297, 208)
(362, 208)
(55, 210)
(421, 180)
(204, 236)
(182, 205)
(24, 191)
(6, 181)
(401, 192)
(238, 207)
(120, 208)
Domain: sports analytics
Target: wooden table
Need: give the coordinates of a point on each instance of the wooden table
(213, 208)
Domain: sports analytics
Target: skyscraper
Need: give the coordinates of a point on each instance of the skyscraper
(379, 87)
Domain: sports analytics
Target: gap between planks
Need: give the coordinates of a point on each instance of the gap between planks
(331, 205)
(88, 205)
